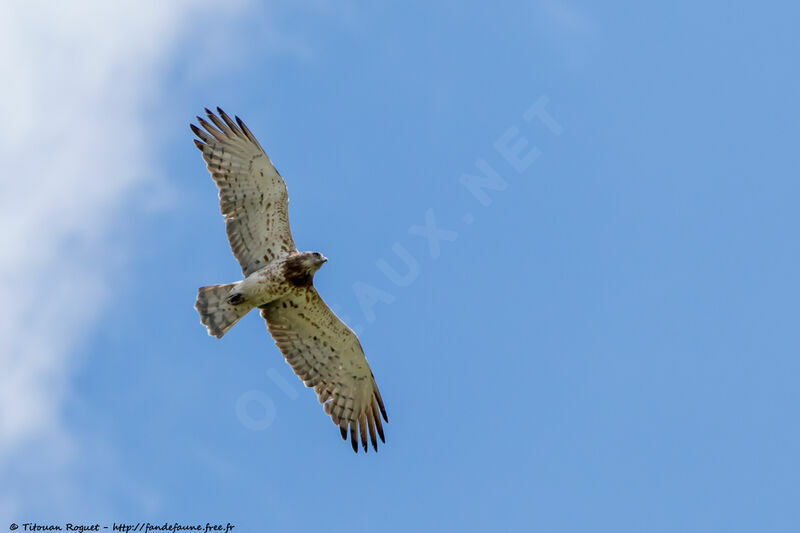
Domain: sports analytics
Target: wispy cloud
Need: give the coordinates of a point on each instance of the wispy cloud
(78, 77)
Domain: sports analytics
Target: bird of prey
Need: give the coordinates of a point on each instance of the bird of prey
(279, 281)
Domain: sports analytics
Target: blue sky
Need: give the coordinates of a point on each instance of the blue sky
(604, 341)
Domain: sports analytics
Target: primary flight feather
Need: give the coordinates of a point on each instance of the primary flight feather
(323, 352)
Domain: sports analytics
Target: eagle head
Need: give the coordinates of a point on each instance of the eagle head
(299, 268)
(314, 260)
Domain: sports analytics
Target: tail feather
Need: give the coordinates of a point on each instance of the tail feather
(216, 313)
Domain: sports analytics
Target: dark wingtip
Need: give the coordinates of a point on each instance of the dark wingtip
(208, 111)
(371, 427)
(228, 120)
(343, 431)
(378, 424)
(383, 409)
(200, 133)
(379, 427)
(199, 144)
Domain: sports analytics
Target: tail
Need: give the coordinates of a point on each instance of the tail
(216, 313)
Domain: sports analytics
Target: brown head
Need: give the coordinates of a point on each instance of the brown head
(299, 268)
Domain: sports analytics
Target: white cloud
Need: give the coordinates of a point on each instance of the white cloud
(77, 79)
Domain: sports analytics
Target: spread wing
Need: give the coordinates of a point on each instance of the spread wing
(326, 355)
(252, 195)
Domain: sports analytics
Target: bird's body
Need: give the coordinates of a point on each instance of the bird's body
(221, 306)
(278, 280)
(263, 286)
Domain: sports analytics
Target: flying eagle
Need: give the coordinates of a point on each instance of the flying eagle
(279, 281)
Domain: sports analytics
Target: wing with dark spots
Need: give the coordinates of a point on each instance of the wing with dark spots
(252, 195)
(326, 355)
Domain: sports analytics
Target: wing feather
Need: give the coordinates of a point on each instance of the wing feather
(371, 420)
(217, 122)
(252, 195)
(326, 354)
